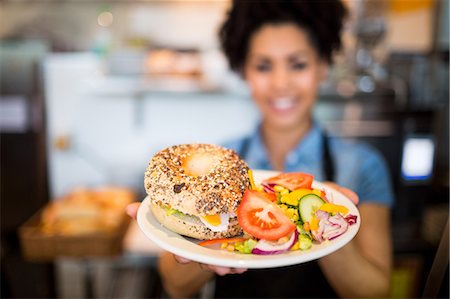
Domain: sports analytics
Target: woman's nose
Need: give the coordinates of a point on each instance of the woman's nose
(280, 79)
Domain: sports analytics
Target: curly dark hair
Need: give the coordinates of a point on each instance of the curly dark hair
(321, 19)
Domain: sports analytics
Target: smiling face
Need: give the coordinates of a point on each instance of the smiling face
(283, 71)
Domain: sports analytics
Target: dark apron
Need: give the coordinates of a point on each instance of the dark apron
(299, 281)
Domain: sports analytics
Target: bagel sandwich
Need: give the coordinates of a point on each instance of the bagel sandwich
(195, 189)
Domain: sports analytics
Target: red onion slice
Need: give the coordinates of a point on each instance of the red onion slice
(351, 219)
(268, 187)
(264, 247)
(322, 215)
(340, 223)
(330, 227)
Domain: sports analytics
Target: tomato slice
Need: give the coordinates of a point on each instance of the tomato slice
(261, 218)
(270, 196)
(291, 180)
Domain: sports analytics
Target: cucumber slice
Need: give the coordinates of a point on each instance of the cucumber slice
(308, 205)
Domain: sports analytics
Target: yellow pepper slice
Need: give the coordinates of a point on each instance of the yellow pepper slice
(293, 197)
(332, 208)
(252, 181)
(278, 188)
(296, 246)
(314, 223)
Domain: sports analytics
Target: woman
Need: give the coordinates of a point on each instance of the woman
(283, 50)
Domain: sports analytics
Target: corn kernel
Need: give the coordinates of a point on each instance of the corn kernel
(284, 192)
(296, 246)
(230, 247)
(223, 245)
(289, 213)
(259, 188)
(294, 216)
(278, 188)
(283, 207)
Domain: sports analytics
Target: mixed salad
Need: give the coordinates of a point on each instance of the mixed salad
(285, 213)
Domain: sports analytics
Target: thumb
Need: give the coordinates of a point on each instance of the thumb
(132, 209)
(181, 260)
(350, 194)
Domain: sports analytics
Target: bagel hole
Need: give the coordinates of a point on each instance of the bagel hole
(198, 164)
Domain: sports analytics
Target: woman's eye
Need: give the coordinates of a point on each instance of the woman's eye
(299, 65)
(263, 67)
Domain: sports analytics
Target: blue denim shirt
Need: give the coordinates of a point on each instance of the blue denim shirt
(358, 166)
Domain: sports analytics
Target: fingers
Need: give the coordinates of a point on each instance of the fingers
(216, 269)
(181, 260)
(132, 209)
(347, 192)
(239, 270)
(350, 194)
(223, 270)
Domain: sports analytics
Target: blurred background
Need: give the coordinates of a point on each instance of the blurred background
(90, 90)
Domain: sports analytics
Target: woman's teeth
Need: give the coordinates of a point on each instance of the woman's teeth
(283, 104)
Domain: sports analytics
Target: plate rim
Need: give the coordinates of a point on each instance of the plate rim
(188, 248)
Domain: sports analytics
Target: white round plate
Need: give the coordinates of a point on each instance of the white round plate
(188, 248)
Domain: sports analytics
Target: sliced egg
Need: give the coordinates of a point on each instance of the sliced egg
(218, 222)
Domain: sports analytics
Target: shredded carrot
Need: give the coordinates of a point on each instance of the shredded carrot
(223, 240)
(306, 226)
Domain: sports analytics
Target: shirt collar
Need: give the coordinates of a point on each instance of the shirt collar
(308, 151)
